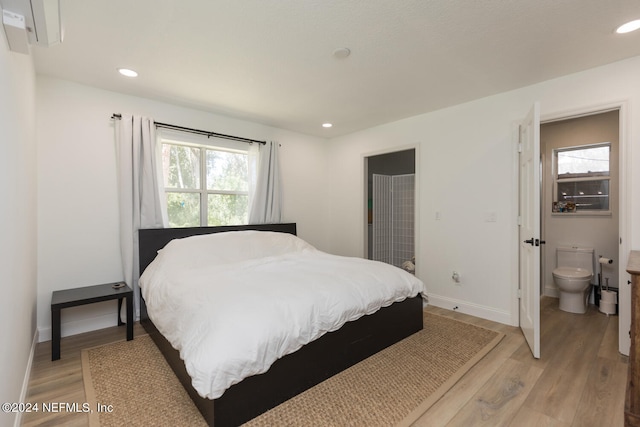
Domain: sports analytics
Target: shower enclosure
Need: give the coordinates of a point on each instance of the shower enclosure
(393, 210)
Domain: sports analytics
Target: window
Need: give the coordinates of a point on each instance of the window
(582, 178)
(205, 185)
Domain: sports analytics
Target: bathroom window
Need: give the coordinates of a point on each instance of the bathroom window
(582, 178)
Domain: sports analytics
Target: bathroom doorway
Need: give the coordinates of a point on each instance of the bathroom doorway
(390, 211)
(580, 193)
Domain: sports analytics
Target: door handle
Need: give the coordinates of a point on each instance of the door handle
(530, 241)
(540, 242)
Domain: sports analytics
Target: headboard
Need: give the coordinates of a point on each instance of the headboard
(151, 240)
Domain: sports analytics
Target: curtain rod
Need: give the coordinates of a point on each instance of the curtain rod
(116, 116)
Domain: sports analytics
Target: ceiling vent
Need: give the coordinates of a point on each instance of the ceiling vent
(35, 22)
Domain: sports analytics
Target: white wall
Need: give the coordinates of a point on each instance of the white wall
(17, 223)
(78, 202)
(467, 169)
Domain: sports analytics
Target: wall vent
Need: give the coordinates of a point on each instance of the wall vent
(35, 22)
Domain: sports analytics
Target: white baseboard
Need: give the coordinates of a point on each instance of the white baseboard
(81, 326)
(27, 375)
(484, 312)
(87, 321)
(551, 292)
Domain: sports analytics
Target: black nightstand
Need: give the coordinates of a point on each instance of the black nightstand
(88, 295)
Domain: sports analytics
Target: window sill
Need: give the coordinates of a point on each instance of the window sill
(582, 214)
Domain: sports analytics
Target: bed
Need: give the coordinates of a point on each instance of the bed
(291, 373)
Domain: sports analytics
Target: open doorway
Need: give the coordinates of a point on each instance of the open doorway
(585, 207)
(391, 202)
(580, 193)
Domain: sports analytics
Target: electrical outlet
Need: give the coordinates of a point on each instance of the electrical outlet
(455, 276)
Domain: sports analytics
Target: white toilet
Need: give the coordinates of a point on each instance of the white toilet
(573, 277)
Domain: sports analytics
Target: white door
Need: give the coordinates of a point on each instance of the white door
(529, 292)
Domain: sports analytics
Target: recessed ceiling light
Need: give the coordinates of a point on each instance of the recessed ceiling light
(628, 27)
(127, 72)
(326, 125)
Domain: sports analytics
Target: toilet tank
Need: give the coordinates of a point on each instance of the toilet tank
(573, 256)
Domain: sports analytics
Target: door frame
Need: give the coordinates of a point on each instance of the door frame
(365, 195)
(624, 207)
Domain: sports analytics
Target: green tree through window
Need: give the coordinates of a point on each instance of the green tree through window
(205, 185)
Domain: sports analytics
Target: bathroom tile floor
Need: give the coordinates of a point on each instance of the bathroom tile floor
(580, 379)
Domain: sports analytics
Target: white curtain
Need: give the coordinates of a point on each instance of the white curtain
(142, 203)
(266, 206)
(254, 159)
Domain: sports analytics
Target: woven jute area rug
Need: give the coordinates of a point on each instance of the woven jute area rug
(393, 387)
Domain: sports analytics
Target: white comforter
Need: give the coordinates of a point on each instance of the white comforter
(232, 312)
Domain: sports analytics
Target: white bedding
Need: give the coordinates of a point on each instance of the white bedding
(233, 303)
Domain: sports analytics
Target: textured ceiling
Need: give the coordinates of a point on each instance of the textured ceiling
(271, 61)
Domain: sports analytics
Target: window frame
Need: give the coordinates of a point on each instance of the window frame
(581, 177)
(192, 141)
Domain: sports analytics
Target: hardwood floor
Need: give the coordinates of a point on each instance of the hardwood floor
(61, 381)
(579, 381)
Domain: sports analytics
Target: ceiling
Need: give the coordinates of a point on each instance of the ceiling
(272, 61)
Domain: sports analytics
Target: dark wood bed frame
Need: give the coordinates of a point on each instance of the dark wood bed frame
(296, 372)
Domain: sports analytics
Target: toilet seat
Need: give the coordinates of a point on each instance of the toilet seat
(572, 273)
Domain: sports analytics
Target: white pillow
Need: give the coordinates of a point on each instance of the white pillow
(229, 247)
